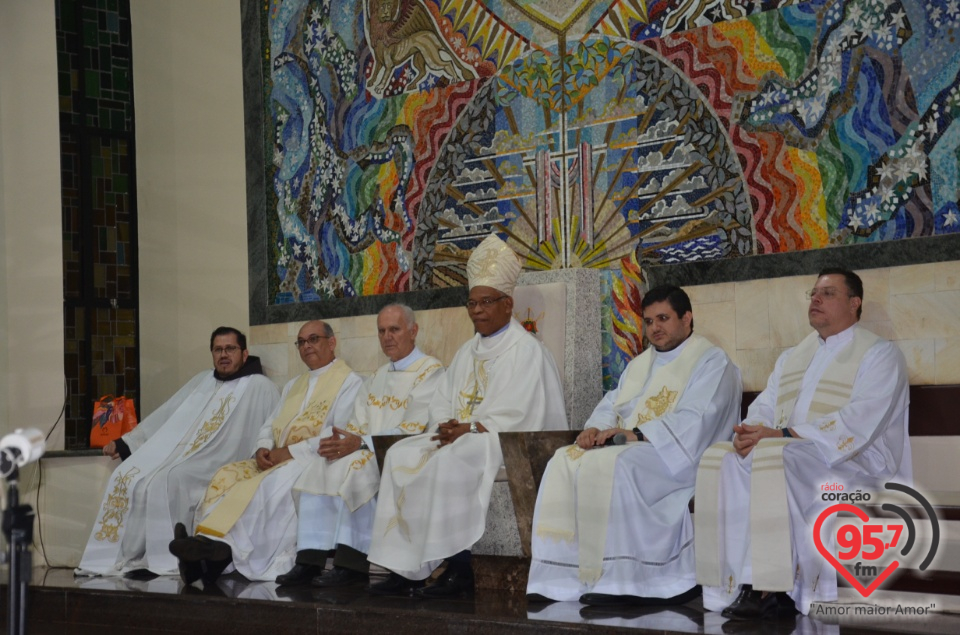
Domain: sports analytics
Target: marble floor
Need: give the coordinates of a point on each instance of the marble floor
(60, 603)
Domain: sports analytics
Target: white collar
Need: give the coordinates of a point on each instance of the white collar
(408, 361)
(316, 372)
(842, 338)
(668, 356)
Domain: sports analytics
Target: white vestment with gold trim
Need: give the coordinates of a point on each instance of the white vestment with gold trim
(861, 444)
(175, 451)
(646, 544)
(263, 539)
(338, 498)
(433, 501)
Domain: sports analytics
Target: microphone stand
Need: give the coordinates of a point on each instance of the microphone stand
(18, 529)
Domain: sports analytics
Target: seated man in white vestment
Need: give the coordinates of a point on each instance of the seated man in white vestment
(612, 524)
(436, 487)
(834, 411)
(169, 458)
(248, 517)
(339, 489)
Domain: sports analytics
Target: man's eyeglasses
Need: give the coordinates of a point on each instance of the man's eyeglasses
(229, 350)
(484, 303)
(313, 340)
(826, 293)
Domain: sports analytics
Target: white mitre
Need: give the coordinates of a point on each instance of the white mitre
(493, 264)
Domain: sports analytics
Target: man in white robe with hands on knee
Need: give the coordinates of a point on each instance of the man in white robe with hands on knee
(169, 458)
(612, 524)
(436, 487)
(834, 411)
(248, 518)
(338, 491)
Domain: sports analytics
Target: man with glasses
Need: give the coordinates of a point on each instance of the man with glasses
(436, 487)
(833, 414)
(169, 458)
(248, 516)
(339, 489)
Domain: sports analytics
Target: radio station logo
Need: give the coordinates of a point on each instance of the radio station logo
(862, 550)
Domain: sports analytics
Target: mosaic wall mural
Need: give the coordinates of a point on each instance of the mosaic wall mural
(614, 134)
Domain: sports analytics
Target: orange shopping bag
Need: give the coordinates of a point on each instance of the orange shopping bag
(113, 417)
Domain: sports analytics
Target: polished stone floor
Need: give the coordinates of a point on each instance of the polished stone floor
(60, 603)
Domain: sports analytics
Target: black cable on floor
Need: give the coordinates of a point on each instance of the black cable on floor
(66, 395)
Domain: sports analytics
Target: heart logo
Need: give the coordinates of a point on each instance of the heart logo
(849, 577)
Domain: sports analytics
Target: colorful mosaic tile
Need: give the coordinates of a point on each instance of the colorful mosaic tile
(598, 133)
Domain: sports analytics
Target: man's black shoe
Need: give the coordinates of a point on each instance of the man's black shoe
(140, 574)
(200, 548)
(299, 574)
(455, 582)
(632, 612)
(603, 599)
(395, 585)
(213, 568)
(752, 605)
(749, 605)
(192, 552)
(766, 626)
(339, 577)
(536, 598)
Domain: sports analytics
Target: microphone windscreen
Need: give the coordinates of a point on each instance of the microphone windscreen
(619, 439)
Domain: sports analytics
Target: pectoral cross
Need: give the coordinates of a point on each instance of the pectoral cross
(473, 399)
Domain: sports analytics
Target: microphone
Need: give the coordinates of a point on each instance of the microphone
(617, 439)
(20, 447)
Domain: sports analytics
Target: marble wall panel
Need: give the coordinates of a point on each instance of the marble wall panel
(947, 361)
(876, 287)
(915, 305)
(716, 321)
(710, 293)
(908, 280)
(926, 315)
(753, 316)
(362, 354)
(947, 276)
(787, 305)
(443, 331)
(359, 326)
(269, 333)
(884, 328)
(755, 366)
(921, 364)
(275, 359)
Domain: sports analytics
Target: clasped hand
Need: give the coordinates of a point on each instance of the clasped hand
(748, 436)
(339, 444)
(450, 431)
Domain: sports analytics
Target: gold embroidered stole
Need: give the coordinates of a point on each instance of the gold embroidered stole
(393, 390)
(379, 407)
(593, 470)
(237, 483)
